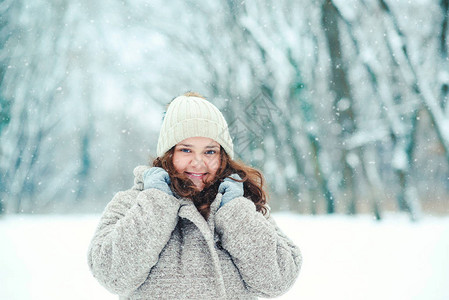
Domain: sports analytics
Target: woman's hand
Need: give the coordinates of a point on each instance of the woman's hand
(230, 189)
(157, 178)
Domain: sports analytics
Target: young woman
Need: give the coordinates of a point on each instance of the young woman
(195, 225)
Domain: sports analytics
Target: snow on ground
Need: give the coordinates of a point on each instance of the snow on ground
(345, 258)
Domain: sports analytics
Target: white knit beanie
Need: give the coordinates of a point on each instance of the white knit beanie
(189, 116)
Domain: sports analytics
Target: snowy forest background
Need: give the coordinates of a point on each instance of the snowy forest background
(342, 104)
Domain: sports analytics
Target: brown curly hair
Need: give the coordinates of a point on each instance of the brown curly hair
(253, 182)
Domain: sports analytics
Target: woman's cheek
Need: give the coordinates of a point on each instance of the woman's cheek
(213, 163)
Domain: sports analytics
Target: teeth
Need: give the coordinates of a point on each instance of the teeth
(196, 175)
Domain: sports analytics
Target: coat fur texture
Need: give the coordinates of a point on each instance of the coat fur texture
(149, 245)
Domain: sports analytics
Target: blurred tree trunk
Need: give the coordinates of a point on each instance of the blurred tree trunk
(343, 100)
(444, 52)
(5, 111)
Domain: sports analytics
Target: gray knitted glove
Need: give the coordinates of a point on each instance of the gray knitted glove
(157, 178)
(230, 189)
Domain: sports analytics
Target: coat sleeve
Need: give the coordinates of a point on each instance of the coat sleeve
(133, 230)
(267, 260)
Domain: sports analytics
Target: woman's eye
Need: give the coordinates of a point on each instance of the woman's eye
(185, 150)
(211, 152)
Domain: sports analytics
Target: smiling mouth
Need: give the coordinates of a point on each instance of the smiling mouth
(195, 175)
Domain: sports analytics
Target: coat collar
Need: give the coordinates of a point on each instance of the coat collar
(188, 211)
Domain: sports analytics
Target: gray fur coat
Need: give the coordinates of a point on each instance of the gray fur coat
(149, 245)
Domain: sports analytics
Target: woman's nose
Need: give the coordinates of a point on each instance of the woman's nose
(197, 160)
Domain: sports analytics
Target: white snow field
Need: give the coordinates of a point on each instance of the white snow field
(346, 258)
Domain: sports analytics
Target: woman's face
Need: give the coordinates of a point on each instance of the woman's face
(198, 158)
